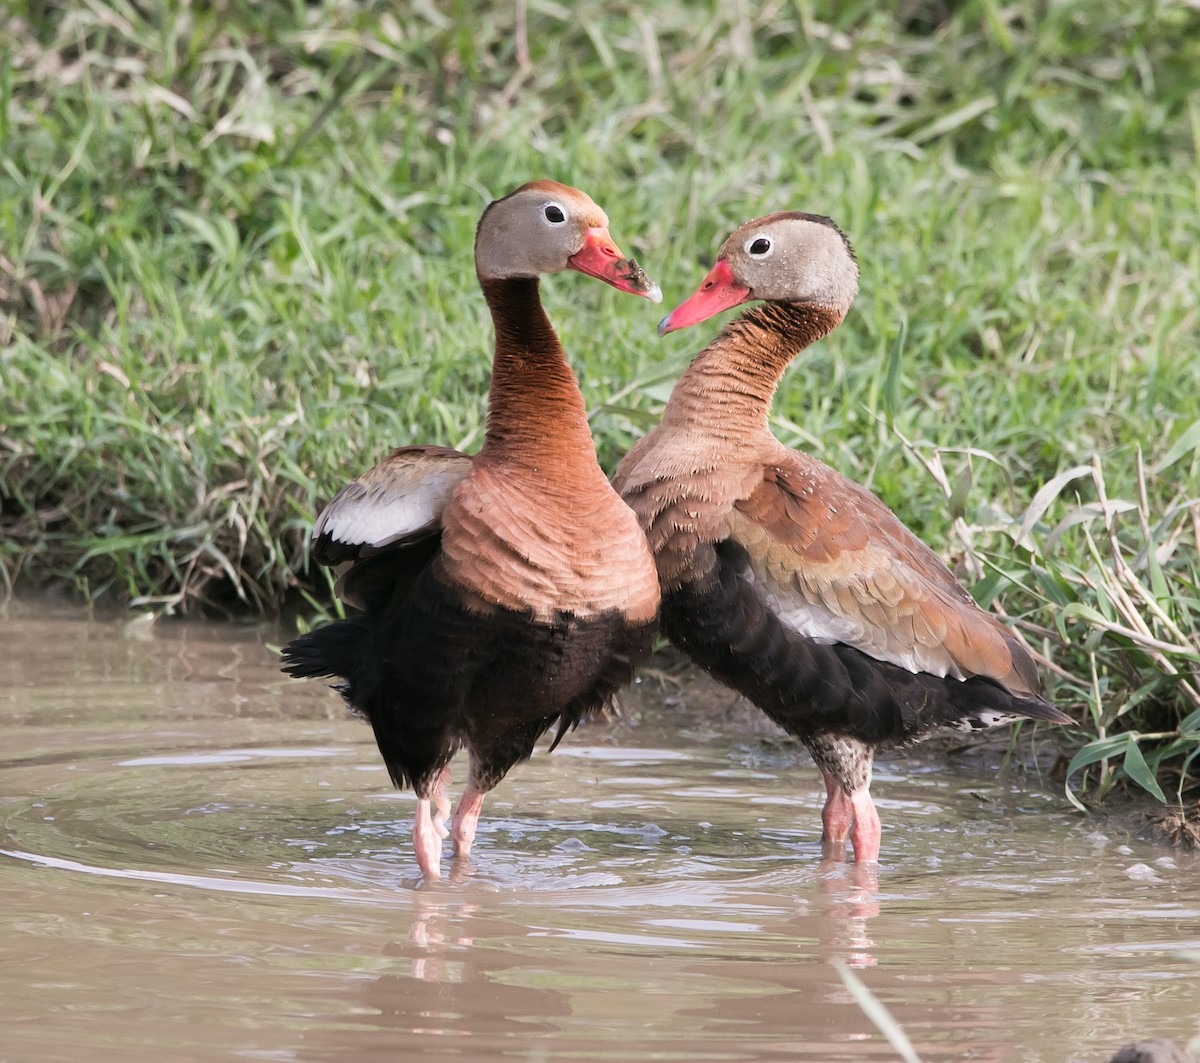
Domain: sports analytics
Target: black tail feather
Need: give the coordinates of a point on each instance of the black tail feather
(922, 703)
(341, 650)
(1037, 709)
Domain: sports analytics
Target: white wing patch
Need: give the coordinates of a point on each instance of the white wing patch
(377, 510)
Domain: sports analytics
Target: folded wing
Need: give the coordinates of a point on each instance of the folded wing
(398, 502)
(836, 565)
(385, 525)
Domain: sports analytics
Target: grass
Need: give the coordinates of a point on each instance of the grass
(235, 269)
(875, 1010)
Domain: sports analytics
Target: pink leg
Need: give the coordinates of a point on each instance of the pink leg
(850, 815)
(867, 833)
(836, 816)
(441, 803)
(427, 842)
(466, 819)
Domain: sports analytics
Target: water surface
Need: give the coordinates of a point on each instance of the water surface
(201, 859)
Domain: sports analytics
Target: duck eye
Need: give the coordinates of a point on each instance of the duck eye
(555, 215)
(760, 247)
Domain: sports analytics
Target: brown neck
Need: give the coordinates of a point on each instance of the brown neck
(731, 382)
(535, 408)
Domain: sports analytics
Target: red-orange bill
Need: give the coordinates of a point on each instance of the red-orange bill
(718, 291)
(601, 258)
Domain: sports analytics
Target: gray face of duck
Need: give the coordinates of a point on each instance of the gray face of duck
(547, 227)
(789, 257)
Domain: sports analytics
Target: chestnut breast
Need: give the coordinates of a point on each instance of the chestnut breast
(545, 544)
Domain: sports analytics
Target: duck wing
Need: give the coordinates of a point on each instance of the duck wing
(385, 525)
(835, 565)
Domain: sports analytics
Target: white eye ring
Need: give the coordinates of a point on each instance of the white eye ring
(554, 214)
(754, 248)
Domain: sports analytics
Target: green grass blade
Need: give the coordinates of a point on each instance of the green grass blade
(875, 1010)
(1139, 771)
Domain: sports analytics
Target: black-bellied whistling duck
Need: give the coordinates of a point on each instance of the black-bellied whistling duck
(502, 592)
(782, 578)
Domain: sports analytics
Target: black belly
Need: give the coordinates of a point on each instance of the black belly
(811, 688)
(432, 676)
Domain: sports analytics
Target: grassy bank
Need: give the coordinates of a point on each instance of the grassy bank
(235, 269)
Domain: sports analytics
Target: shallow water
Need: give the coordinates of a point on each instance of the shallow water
(203, 860)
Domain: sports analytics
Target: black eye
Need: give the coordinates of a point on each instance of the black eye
(554, 214)
(760, 246)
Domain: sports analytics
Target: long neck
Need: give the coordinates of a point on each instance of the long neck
(730, 384)
(535, 408)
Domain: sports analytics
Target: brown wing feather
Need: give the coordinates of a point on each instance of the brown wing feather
(839, 566)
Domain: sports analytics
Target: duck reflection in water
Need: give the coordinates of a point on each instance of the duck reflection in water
(849, 899)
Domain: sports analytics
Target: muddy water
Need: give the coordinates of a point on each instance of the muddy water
(203, 860)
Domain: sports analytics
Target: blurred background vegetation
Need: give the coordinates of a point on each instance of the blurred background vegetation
(235, 269)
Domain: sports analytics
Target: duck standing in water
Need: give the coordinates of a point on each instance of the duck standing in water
(503, 592)
(782, 578)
